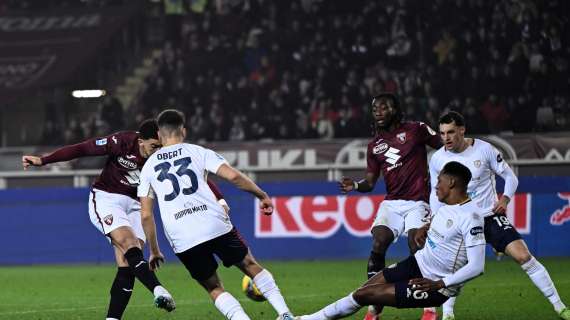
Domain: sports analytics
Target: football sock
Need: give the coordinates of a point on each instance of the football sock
(336, 310)
(376, 262)
(230, 307)
(140, 268)
(121, 292)
(448, 306)
(538, 274)
(267, 286)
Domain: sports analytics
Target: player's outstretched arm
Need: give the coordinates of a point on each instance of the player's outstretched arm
(91, 147)
(149, 227)
(243, 182)
(367, 184)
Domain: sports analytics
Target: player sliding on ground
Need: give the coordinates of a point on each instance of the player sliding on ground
(454, 253)
(195, 224)
(114, 208)
(485, 162)
(398, 152)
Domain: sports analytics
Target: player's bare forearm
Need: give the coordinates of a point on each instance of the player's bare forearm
(245, 183)
(241, 181)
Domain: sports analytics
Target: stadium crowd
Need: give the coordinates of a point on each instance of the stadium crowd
(254, 69)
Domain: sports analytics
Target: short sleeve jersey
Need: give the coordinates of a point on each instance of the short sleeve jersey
(401, 156)
(176, 176)
(484, 161)
(453, 229)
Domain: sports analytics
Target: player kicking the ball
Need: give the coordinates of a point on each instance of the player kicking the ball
(454, 253)
(485, 162)
(114, 208)
(195, 224)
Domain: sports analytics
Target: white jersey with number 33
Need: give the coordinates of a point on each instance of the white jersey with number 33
(176, 176)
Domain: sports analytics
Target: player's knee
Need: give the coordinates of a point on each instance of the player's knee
(361, 296)
(522, 256)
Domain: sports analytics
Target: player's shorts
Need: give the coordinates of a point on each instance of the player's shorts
(499, 232)
(200, 260)
(406, 297)
(109, 211)
(402, 215)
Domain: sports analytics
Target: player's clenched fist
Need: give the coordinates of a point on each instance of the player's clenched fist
(266, 206)
(346, 184)
(31, 161)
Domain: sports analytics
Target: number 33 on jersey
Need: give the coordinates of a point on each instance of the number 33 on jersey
(176, 175)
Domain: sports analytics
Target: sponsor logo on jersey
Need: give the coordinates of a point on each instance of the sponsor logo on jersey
(101, 142)
(401, 137)
(114, 139)
(477, 163)
(108, 219)
(392, 155)
(191, 210)
(561, 216)
(476, 230)
(126, 163)
(380, 148)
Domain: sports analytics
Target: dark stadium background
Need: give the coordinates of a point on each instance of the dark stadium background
(282, 89)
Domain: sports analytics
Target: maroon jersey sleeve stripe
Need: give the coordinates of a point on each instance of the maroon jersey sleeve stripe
(215, 189)
(83, 149)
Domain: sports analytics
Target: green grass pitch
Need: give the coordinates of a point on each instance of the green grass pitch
(81, 292)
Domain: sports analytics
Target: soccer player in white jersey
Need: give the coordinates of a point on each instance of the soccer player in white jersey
(485, 161)
(454, 254)
(195, 224)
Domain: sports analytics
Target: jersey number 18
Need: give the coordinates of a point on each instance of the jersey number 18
(183, 170)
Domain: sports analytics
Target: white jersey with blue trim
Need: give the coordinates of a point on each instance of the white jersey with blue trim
(453, 229)
(483, 160)
(176, 176)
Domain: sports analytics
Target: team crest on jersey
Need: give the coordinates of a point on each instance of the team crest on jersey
(108, 220)
(477, 163)
(380, 148)
(401, 137)
(449, 223)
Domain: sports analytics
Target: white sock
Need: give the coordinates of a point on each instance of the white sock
(448, 306)
(541, 279)
(336, 310)
(266, 284)
(230, 307)
(111, 319)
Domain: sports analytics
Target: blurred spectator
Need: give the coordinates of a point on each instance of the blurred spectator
(246, 70)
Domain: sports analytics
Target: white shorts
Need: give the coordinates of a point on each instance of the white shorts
(402, 215)
(109, 211)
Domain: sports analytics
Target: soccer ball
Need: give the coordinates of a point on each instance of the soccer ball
(250, 290)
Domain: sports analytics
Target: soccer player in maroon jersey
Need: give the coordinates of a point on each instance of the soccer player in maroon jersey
(114, 208)
(398, 151)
